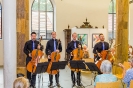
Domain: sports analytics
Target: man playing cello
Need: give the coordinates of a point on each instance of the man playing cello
(52, 47)
(99, 47)
(70, 47)
(28, 48)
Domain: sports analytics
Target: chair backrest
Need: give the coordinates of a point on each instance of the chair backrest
(131, 84)
(126, 65)
(108, 85)
(89, 60)
(43, 60)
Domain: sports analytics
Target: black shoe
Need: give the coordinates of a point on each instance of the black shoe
(32, 86)
(73, 85)
(79, 85)
(50, 85)
(58, 85)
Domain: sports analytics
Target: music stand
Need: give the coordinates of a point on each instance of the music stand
(93, 67)
(58, 65)
(77, 64)
(41, 67)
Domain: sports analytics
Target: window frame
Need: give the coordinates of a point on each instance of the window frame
(45, 19)
(113, 24)
(1, 22)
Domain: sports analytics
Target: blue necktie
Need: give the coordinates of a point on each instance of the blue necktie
(74, 44)
(54, 45)
(33, 45)
(103, 46)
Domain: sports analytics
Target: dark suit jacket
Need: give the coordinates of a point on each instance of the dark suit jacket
(70, 46)
(99, 47)
(28, 47)
(50, 46)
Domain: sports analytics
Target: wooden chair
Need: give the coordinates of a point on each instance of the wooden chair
(131, 84)
(120, 76)
(44, 60)
(108, 85)
(127, 66)
(89, 60)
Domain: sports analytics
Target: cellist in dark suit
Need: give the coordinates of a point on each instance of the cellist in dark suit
(99, 47)
(51, 46)
(70, 47)
(28, 48)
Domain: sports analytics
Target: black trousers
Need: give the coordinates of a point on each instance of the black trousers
(31, 77)
(56, 78)
(51, 76)
(73, 77)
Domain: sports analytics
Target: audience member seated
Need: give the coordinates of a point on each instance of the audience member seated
(130, 51)
(21, 82)
(86, 52)
(127, 75)
(107, 76)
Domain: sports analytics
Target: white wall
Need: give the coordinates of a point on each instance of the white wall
(131, 24)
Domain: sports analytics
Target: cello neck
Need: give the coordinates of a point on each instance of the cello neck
(58, 42)
(37, 47)
(111, 42)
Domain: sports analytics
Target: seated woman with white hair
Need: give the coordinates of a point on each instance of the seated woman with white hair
(106, 69)
(21, 82)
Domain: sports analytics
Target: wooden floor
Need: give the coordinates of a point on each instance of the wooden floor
(65, 79)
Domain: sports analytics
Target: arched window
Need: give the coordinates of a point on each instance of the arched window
(42, 19)
(0, 21)
(112, 19)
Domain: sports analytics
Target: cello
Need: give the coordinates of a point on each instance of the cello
(36, 55)
(55, 56)
(77, 55)
(105, 55)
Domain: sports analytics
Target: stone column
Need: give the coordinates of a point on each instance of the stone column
(122, 21)
(9, 30)
(22, 33)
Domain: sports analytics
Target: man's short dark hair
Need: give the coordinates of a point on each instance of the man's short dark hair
(52, 32)
(33, 33)
(100, 34)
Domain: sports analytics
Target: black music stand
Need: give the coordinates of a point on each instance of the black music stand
(41, 67)
(77, 64)
(58, 65)
(93, 67)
